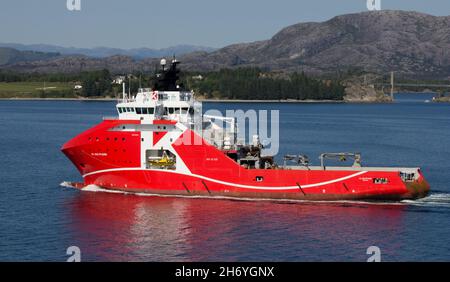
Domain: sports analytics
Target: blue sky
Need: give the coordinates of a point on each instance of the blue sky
(158, 24)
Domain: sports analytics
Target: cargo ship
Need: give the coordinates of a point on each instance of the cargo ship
(161, 143)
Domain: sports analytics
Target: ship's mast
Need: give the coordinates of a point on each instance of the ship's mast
(124, 94)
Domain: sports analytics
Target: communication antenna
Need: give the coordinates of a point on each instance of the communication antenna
(124, 94)
(129, 86)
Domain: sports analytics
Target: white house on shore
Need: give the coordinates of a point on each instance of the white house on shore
(119, 79)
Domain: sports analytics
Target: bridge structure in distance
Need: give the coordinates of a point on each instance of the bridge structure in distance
(443, 87)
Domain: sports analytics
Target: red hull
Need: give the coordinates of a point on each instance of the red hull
(113, 160)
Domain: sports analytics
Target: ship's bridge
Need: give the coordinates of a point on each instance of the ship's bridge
(168, 100)
(150, 104)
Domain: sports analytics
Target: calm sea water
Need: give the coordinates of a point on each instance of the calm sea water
(40, 219)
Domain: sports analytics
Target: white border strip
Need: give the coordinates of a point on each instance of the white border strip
(230, 183)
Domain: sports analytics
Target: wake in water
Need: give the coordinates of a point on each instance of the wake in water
(66, 184)
(433, 200)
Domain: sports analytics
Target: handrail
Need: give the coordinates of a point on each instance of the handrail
(341, 157)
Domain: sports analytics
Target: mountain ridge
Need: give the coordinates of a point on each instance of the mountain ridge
(12, 56)
(102, 52)
(410, 43)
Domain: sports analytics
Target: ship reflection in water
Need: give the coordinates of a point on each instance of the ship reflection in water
(117, 227)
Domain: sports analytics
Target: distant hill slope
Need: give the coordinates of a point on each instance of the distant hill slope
(410, 43)
(407, 42)
(12, 56)
(102, 52)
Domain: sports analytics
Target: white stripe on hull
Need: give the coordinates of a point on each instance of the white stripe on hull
(230, 183)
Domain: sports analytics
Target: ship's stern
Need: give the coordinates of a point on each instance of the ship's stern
(416, 184)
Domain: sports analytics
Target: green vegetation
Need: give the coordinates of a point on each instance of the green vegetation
(96, 83)
(241, 84)
(33, 85)
(254, 84)
(36, 90)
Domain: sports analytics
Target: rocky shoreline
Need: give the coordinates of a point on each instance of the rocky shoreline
(441, 99)
(360, 93)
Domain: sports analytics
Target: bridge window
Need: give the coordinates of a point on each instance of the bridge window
(162, 96)
(120, 110)
(138, 111)
(171, 110)
(185, 96)
(151, 111)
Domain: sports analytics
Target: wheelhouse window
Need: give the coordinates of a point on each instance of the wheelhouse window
(120, 110)
(151, 111)
(185, 96)
(138, 111)
(162, 96)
